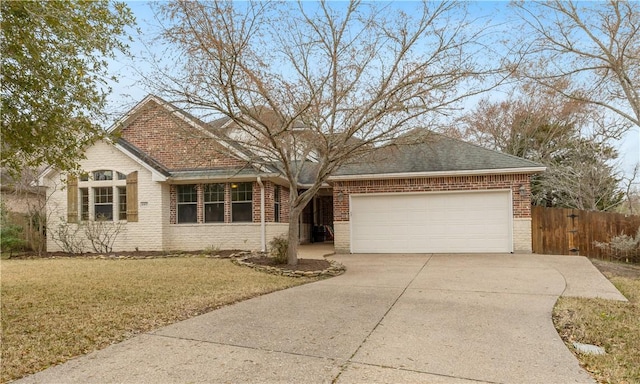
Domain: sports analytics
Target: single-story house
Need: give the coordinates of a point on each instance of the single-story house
(178, 183)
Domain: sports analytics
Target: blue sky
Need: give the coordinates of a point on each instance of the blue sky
(130, 71)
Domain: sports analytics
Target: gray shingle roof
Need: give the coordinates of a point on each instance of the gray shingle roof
(418, 151)
(432, 152)
(217, 173)
(150, 161)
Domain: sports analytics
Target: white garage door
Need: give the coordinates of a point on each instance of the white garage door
(453, 222)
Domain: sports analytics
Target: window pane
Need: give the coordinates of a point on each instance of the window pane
(187, 213)
(187, 207)
(276, 203)
(214, 213)
(103, 175)
(103, 195)
(104, 212)
(84, 203)
(122, 203)
(241, 191)
(241, 212)
(187, 193)
(103, 203)
(214, 193)
(121, 176)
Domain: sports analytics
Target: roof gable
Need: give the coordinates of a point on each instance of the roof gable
(173, 140)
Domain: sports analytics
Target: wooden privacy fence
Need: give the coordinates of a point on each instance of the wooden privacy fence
(564, 231)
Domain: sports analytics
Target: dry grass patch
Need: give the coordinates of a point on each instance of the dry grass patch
(610, 324)
(55, 309)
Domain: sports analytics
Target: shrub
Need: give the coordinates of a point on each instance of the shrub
(212, 250)
(67, 237)
(278, 249)
(10, 235)
(623, 247)
(102, 234)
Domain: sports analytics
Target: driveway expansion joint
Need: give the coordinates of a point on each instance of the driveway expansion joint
(243, 347)
(423, 372)
(485, 291)
(343, 366)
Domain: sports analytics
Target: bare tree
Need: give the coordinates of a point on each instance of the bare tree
(531, 122)
(568, 136)
(594, 47)
(632, 194)
(581, 178)
(322, 80)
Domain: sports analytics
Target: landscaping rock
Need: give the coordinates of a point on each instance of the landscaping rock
(589, 349)
(334, 270)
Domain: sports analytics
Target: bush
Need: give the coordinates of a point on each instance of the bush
(623, 247)
(102, 234)
(10, 234)
(67, 236)
(278, 249)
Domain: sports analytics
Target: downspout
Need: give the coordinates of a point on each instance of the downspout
(263, 227)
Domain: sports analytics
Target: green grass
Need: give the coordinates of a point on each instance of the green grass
(610, 324)
(55, 309)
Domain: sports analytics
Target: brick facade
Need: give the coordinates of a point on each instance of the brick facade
(178, 145)
(146, 233)
(269, 190)
(521, 204)
(173, 142)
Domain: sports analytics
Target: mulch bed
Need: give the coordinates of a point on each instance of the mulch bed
(304, 265)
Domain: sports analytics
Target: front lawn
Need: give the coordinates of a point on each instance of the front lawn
(55, 309)
(610, 324)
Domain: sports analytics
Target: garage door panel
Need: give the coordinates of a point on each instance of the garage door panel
(431, 222)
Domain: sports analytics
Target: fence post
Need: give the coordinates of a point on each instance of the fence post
(573, 232)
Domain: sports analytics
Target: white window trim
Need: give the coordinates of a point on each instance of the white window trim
(178, 204)
(92, 184)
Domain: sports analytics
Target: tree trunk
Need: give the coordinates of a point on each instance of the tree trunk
(293, 237)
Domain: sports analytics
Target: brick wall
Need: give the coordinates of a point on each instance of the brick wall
(522, 235)
(284, 205)
(521, 204)
(145, 234)
(157, 212)
(173, 142)
(269, 210)
(246, 236)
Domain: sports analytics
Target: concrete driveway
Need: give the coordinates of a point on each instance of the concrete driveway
(390, 318)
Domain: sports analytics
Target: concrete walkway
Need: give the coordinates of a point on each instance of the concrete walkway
(389, 319)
